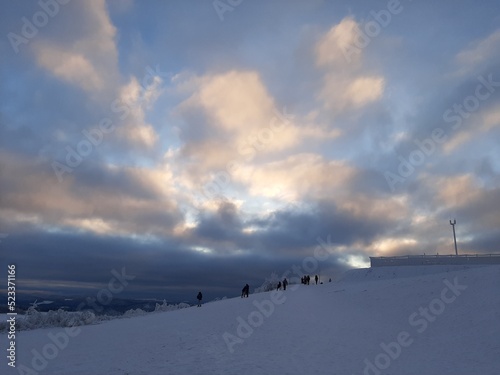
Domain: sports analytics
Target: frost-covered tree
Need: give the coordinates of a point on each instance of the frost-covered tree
(269, 284)
(166, 307)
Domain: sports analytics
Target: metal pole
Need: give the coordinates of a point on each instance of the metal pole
(454, 237)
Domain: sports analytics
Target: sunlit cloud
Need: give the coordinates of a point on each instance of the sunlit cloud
(478, 53)
(243, 147)
(90, 61)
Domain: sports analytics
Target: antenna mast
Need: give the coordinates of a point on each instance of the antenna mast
(454, 237)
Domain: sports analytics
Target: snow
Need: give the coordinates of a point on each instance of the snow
(447, 320)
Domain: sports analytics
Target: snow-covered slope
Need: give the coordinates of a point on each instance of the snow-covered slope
(409, 320)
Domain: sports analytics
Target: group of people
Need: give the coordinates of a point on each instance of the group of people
(244, 293)
(282, 284)
(307, 279)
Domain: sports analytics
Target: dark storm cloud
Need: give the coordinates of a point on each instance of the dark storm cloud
(287, 232)
(298, 230)
(221, 225)
(485, 242)
(82, 264)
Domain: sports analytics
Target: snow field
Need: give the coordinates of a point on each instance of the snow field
(392, 320)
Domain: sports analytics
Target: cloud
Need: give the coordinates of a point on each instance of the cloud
(463, 196)
(138, 99)
(346, 84)
(332, 49)
(230, 119)
(340, 93)
(72, 67)
(233, 110)
(297, 231)
(235, 100)
(478, 54)
(491, 119)
(161, 270)
(90, 60)
(460, 196)
(220, 229)
(96, 198)
(298, 176)
(485, 121)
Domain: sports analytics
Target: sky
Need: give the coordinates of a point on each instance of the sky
(201, 145)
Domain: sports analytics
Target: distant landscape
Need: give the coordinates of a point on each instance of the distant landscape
(117, 306)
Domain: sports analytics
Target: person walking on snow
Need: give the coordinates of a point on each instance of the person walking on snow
(245, 291)
(316, 278)
(285, 283)
(199, 297)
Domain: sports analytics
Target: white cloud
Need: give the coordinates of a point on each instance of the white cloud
(296, 176)
(485, 120)
(479, 53)
(331, 49)
(341, 93)
(139, 99)
(391, 245)
(89, 61)
(237, 117)
(69, 66)
(458, 140)
(364, 90)
(238, 101)
(491, 119)
(455, 191)
(346, 85)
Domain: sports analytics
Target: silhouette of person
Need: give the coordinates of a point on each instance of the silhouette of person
(316, 278)
(285, 283)
(199, 297)
(245, 291)
(279, 286)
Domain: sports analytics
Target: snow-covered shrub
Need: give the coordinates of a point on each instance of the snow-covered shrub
(34, 319)
(54, 318)
(269, 284)
(166, 307)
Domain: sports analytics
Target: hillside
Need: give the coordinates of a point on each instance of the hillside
(446, 320)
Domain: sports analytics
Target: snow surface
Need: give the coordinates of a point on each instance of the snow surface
(34, 319)
(335, 328)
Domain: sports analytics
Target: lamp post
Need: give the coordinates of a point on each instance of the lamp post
(454, 237)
